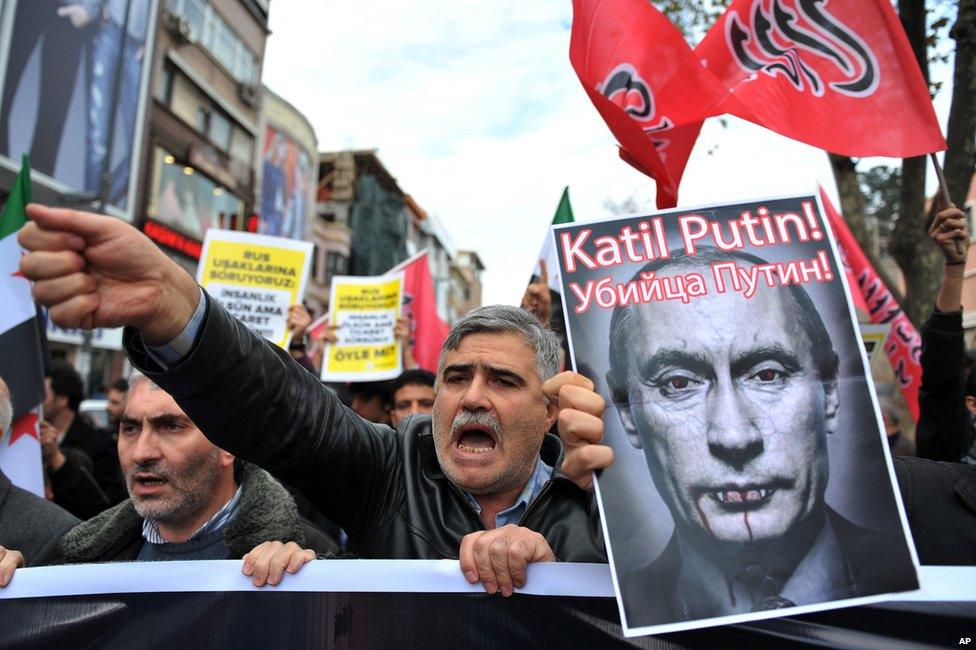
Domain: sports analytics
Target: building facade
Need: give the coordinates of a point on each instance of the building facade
(287, 172)
(149, 112)
(466, 290)
(204, 127)
(361, 216)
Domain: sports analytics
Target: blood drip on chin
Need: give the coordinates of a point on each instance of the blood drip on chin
(701, 514)
(745, 520)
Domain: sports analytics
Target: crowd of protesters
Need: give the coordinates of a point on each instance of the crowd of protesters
(222, 446)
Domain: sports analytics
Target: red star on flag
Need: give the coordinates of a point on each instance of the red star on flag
(17, 273)
(25, 426)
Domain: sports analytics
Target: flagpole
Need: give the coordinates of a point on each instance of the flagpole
(944, 192)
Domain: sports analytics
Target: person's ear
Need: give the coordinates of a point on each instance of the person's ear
(226, 458)
(621, 399)
(552, 414)
(971, 403)
(831, 405)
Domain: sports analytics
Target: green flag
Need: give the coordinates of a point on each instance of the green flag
(20, 348)
(564, 211)
(564, 214)
(20, 195)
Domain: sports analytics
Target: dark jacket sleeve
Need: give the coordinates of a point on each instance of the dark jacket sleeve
(75, 488)
(252, 399)
(944, 431)
(320, 542)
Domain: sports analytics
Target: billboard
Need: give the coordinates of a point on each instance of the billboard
(189, 201)
(286, 186)
(74, 79)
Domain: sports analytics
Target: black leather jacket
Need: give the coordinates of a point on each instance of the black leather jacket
(384, 487)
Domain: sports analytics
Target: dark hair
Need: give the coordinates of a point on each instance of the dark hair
(65, 381)
(822, 348)
(415, 377)
(121, 385)
(368, 389)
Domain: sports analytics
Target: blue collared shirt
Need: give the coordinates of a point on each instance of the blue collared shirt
(540, 476)
(150, 529)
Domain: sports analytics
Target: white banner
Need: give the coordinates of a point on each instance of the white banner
(565, 579)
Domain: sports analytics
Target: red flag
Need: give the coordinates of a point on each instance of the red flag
(420, 303)
(837, 75)
(904, 345)
(646, 83)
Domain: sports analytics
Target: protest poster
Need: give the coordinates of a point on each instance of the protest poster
(255, 277)
(751, 476)
(364, 311)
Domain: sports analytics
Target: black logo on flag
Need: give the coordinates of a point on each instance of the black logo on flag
(779, 40)
(625, 87)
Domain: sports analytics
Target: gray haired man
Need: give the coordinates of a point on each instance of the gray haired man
(480, 480)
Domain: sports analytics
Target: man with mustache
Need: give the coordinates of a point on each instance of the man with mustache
(189, 500)
(731, 400)
(481, 480)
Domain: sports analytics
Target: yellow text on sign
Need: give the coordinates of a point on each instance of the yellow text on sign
(259, 267)
(368, 297)
(358, 358)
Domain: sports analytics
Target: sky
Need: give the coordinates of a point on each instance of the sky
(473, 106)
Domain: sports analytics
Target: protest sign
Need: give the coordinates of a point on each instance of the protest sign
(255, 277)
(751, 475)
(364, 312)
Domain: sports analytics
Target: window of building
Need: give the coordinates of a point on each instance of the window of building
(195, 11)
(185, 100)
(202, 123)
(216, 37)
(335, 264)
(329, 217)
(220, 129)
(192, 106)
(164, 85)
(315, 262)
(241, 154)
(187, 200)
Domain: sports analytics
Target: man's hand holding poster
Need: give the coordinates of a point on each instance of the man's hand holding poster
(364, 312)
(751, 475)
(255, 277)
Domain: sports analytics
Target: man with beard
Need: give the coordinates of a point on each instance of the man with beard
(731, 400)
(188, 500)
(115, 397)
(481, 481)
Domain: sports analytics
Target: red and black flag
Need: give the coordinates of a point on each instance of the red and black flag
(646, 84)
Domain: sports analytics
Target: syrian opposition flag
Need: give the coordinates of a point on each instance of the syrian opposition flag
(20, 350)
(838, 75)
(646, 83)
(904, 344)
(564, 214)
